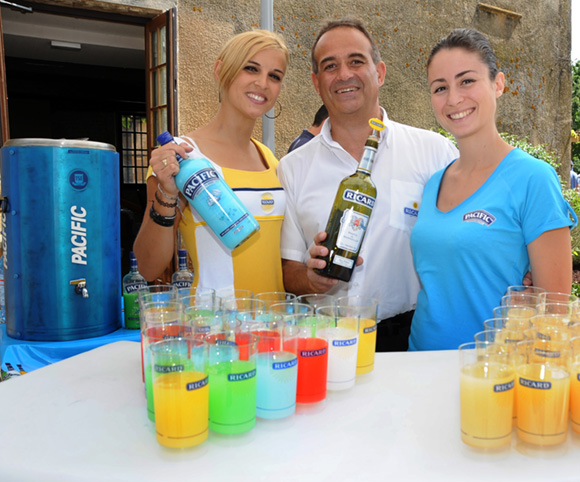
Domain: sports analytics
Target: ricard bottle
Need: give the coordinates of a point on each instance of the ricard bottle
(183, 277)
(133, 281)
(351, 213)
(213, 199)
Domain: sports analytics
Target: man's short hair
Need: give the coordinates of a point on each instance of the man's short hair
(350, 23)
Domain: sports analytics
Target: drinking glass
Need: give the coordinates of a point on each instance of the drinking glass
(272, 297)
(486, 390)
(365, 310)
(180, 391)
(232, 381)
(312, 358)
(543, 391)
(153, 331)
(575, 384)
(342, 336)
(277, 369)
(316, 300)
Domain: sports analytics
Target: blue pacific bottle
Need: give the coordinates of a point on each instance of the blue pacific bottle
(213, 199)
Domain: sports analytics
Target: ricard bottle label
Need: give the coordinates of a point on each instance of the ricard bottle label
(358, 198)
(352, 228)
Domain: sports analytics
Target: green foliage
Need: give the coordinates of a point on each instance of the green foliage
(573, 197)
(576, 113)
(576, 289)
(524, 144)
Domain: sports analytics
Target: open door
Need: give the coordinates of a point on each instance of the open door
(161, 80)
(4, 125)
(160, 45)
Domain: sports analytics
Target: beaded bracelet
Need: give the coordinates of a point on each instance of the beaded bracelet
(167, 196)
(165, 221)
(163, 203)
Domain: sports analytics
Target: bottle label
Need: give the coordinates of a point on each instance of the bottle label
(358, 198)
(538, 385)
(200, 179)
(181, 284)
(233, 225)
(196, 385)
(134, 287)
(342, 261)
(285, 365)
(352, 228)
(240, 377)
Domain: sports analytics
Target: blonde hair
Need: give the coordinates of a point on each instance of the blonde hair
(241, 48)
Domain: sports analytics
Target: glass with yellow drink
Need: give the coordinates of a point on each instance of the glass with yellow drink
(486, 390)
(514, 312)
(543, 391)
(575, 385)
(180, 391)
(505, 341)
(364, 310)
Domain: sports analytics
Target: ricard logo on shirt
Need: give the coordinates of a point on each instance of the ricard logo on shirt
(412, 210)
(480, 217)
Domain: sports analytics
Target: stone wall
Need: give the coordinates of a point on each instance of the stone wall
(531, 40)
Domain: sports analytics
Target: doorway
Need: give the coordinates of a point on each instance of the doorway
(80, 78)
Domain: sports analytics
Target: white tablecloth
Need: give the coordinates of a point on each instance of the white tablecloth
(84, 419)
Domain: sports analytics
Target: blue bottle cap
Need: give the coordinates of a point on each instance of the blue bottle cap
(164, 138)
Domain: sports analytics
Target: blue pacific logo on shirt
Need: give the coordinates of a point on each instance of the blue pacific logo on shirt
(480, 217)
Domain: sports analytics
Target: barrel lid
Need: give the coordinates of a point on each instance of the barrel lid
(76, 143)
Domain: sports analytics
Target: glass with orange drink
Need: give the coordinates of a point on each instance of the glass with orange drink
(543, 391)
(486, 395)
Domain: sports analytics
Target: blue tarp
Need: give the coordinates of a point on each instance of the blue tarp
(27, 356)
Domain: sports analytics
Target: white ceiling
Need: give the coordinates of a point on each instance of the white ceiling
(29, 35)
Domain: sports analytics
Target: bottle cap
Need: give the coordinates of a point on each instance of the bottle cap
(132, 256)
(376, 124)
(164, 138)
(182, 253)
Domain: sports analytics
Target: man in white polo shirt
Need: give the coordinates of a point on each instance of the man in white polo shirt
(347, 74)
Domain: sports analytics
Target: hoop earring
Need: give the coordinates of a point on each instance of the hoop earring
(279, 112)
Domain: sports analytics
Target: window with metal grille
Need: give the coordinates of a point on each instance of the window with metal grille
(134, 151)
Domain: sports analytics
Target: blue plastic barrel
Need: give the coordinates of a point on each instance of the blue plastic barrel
(61, 223)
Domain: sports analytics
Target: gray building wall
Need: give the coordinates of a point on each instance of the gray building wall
(532, 45)
(532, 39)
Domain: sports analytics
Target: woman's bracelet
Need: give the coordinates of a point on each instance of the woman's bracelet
(166, 196)
(165, 221)
(163, 203)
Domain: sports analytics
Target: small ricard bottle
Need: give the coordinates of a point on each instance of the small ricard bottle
(351, 213)
(133, 281)
(183, 277)
(211, 197)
